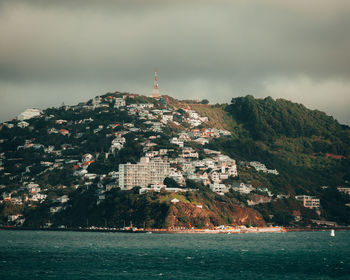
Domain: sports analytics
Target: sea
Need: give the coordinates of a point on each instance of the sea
(111, 255)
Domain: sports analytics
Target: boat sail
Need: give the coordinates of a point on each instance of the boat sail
(332, 232)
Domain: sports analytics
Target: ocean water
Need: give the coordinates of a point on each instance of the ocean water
(93, 255)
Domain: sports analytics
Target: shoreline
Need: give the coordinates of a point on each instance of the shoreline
(182, 231)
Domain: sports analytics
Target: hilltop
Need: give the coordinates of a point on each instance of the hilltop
(250, 162)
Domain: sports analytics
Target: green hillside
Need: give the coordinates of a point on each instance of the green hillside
(43, 162)
(268, 119)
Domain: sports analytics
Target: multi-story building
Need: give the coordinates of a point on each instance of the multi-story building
(219, 188)
(146, 172)
(215, 176)
(177, 141)
(309, 201)
(189, 152)
(344, 190)
(242, 188)
(119, 102)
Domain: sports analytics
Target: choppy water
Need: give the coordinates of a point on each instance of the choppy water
(88, 255)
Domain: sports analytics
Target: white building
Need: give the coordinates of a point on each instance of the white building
(117, 144)
(158, 188)
(273, 171)
(242, 188)
(201, 141)
(80, 173)
(119, 139)
(177, 141)
(119, 102)
(90, 176)
(167, 117)
(22, 124)
(232, 170)
(163, 152)
(344, 190)
(219, 188)
(13, 218)
(87, 157)
(189, 152)
(55, 209)
(261, 167)
(195, 122)
(63, 199)
(309, 201)
(38, 197)
(146, 172)
(215, 176)
(177, 176)
(183, 136)
(151, 154)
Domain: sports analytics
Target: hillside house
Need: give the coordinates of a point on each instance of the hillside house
(309, 201)
(344, 190)
(189, 152)
(177, 141)
(119, 102)
(219, 188)
(22, 124)
(242, 188)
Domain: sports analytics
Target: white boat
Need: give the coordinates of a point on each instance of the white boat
(332, 232)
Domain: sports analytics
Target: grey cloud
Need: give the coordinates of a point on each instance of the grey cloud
(211, 49)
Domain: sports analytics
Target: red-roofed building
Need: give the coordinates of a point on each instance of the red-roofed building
(64, 131)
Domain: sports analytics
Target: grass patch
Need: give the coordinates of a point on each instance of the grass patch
(217, 116)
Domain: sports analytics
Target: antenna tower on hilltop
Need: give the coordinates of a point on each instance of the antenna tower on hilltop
(155, 93)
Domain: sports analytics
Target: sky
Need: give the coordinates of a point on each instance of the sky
(70, 51)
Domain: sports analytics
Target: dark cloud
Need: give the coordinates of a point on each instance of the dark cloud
(54, 51)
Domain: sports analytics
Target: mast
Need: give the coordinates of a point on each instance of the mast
(155, 93)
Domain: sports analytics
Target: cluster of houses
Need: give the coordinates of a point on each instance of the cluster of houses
(180, 161)
(212, 171)
(261, 167)
(150, 173)
(313, 202)
(344, 190)
(200, 136)
(31, 193)
(194, 119)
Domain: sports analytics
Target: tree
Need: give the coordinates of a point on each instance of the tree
(171, 183)
(192, 184)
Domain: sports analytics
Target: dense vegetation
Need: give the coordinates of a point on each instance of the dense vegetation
(309, 149)
(268, 119)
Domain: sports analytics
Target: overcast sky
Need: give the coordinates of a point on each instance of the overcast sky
(69, 51)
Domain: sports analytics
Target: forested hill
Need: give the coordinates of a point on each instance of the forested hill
(240, 163)
(268, 119)
(309, 148)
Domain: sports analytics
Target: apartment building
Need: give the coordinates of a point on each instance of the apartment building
(146, 172)
(309, 201)
(344, 190)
